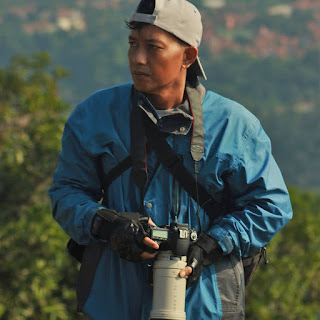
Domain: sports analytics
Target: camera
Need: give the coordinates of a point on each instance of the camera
(177, 237)
(169, 290)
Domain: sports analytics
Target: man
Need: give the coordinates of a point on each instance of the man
(222, 146)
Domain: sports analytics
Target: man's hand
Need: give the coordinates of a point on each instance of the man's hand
(203, 252)
(131, 242)
(194, 265)
(126, 233)
(149, 243)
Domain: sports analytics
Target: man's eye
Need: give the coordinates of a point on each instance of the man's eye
(152, 46)
(132, 43)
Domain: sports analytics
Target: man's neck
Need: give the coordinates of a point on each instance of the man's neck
(167, 99)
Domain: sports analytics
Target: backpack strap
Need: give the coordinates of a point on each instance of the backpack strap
(116, 172)
(112, 175)
(214, 205)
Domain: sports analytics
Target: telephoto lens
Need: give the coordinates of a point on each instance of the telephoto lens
(169, 290)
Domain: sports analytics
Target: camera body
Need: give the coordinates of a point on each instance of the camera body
(176, 237)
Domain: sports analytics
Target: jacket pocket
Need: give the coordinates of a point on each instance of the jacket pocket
(230, 277)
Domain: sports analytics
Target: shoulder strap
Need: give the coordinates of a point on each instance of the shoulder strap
(116, 172)
(214, 205)
(197, 148)
(112, 175)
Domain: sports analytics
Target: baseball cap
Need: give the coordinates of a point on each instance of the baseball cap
(179, 17)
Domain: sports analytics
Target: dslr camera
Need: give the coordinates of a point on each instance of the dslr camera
(177, 237)
(169, 290)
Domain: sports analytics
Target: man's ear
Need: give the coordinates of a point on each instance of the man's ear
(190, 55)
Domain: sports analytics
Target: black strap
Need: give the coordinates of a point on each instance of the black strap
(138, 144)
(214, 205)
(89, 263)
(115, 172)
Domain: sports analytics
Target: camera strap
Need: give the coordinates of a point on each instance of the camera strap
(214, 205)
(144, 130)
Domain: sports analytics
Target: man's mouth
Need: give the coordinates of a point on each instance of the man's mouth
(140, 74)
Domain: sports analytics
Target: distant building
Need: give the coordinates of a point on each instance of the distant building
(68, 19)
(39, 27)
(283, 10)
(22, 11)
(306, 4)
(214, 4)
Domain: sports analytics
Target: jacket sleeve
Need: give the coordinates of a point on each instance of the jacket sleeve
(76, 187)
(260, 197)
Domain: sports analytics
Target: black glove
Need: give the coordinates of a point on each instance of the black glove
(203, 252)
(125, 231)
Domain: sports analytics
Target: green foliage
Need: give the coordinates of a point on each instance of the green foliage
(284, 82)
(289, 288)
(37, 278)
(284, 25)
(30, 126)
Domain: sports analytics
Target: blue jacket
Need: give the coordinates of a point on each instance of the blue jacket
(234, 141)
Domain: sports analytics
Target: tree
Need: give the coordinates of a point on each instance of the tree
(36, 279)
(288, 288)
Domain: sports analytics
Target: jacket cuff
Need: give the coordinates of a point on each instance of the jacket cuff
(223, 237)
(88, 219)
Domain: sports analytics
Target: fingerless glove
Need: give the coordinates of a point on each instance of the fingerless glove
(125, 231)
(204, 252)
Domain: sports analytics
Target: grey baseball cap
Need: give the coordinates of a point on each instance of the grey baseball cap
(179, 17)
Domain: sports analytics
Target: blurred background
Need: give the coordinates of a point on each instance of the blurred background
(53, 54)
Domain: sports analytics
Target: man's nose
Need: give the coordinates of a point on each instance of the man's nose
(140, 56)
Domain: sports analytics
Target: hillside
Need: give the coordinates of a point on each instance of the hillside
(37, 276)
(264, 54)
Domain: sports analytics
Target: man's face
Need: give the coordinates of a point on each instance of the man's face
(155, 59)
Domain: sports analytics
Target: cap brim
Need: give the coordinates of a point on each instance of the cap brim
(197, 69)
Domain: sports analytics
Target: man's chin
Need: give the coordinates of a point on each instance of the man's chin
(141, 86)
